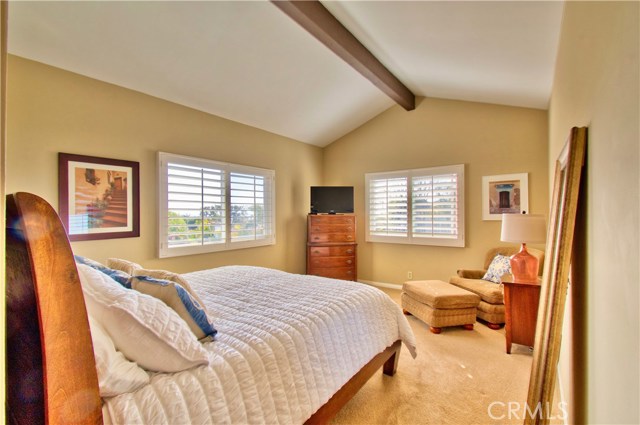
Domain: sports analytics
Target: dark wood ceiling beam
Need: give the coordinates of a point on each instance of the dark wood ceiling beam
(320, 23)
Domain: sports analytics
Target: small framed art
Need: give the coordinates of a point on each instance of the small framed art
(504, 194)
(98, 198)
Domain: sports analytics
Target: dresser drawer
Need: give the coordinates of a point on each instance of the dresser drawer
(319, 220)
(332, 251)
(331, 238)
(332, 261)
(344, 273)
(332, 228)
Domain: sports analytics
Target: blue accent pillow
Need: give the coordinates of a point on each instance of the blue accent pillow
(119, 276)
(499, 265)
(180, 300)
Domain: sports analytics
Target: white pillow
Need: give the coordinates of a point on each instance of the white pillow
(116, 374)
(142, 327)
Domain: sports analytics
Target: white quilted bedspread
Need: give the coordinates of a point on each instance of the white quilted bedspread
(285, 344)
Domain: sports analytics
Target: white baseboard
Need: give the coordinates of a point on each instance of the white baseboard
(381, 284)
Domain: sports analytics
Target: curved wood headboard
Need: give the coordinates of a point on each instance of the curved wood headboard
(51, 374)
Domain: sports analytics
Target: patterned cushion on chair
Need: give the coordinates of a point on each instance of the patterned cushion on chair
(499, 266)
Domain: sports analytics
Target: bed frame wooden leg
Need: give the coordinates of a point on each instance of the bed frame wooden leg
(391, 365)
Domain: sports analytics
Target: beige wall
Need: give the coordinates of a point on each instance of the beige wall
(596, 85)
(53, 111)
(488, 139)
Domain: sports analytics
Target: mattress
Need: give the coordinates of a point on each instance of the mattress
(285, 344)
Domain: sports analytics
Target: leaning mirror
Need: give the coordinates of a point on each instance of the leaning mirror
(555, 279)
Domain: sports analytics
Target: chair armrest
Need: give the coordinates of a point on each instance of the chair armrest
(471, 274)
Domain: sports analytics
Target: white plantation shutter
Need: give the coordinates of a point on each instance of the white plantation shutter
(388, 206)
(433, 216)
(250, 217)
(196, 206)
(435, 206)
(210, 206)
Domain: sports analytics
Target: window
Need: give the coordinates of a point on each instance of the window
(208, 206)
(424, 206)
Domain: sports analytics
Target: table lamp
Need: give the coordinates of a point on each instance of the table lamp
(523, 228)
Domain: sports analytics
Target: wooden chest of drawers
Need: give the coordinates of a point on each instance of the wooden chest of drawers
(331, 247)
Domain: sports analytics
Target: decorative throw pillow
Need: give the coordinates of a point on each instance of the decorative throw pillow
(119, 276)
(499, 266)
(142, 327)
(89, 262)
(180, 300)
(116, 374)
(167, 275)
(126, 266)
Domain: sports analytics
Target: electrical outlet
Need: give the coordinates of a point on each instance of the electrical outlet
(409, 275)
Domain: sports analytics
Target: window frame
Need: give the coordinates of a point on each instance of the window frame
(409, 239)
(164, 251)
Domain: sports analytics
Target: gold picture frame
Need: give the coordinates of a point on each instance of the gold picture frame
(555, 278)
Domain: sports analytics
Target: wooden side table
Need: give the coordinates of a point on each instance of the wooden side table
(521, 311)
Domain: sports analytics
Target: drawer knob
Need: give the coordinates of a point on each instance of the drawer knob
(349, 251)
(316, 252)
(349, 272)
(349, 262)
(349, 237)
(316, 238)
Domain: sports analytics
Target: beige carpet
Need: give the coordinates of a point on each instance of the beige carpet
(459, 377)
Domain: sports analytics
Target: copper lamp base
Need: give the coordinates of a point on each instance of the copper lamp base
(524, 266)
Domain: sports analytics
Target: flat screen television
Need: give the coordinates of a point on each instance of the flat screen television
(331, 199)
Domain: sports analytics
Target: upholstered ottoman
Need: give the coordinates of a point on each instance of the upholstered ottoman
(439, 304)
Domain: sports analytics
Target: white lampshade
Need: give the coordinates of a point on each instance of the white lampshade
(523, 228)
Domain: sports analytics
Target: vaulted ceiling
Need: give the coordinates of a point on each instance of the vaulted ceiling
(249, 62)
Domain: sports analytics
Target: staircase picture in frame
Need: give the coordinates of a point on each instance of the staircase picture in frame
(98, 198)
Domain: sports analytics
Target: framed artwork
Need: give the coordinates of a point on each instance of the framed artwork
(98, 198)
(504, 194)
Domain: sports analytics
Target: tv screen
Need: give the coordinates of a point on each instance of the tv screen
(331, 199)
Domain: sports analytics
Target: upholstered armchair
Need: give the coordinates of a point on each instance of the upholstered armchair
(491, 307)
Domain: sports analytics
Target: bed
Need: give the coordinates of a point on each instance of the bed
(287, 348)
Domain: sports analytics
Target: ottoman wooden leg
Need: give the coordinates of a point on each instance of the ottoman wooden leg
(406, 312)
(468, 327)
(435, 330)
(493, 326)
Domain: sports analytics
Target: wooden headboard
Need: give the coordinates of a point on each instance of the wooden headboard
(51, 374)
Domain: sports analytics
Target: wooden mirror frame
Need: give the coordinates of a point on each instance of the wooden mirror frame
(555, 278)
